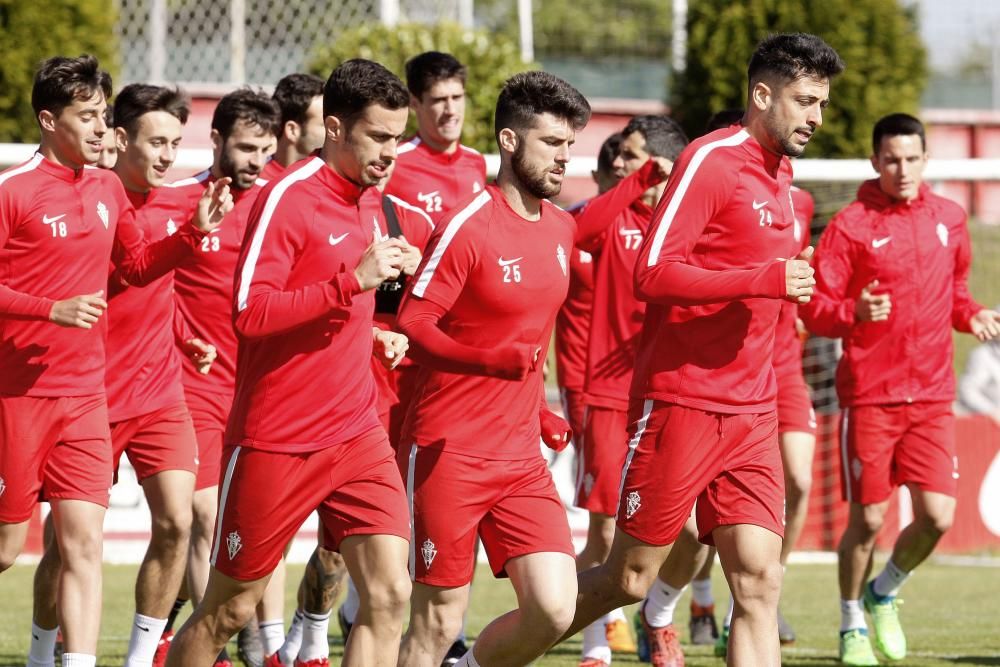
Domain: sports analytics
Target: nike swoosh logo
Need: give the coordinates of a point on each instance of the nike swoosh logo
(759, 206)
(334, 240)
(56, 218)
(508, 262)
(142, 628)
(878, 243)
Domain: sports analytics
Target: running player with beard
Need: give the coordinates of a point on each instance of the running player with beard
(892, 281)
(304, 411)
(300, 133)
(243, 129)
(479, 314)
(703, 424)
(61, 222)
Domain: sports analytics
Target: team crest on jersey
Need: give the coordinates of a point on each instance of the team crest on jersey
(942, 234)
(632, 504)
(234, 543)
(585, 257)
(171, 227)
(102, 213)
(3, 486)
(429, 552)
(561, 256)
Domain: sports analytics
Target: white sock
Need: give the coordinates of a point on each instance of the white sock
(272, 635)
(701, 592)
(293, 640)
(315, 645)
(595, 641)
(729, 612)
(146, 632)
(79, 660)
(615, 615)
(851, 616)
(467, 660)
(661, 601)
(351, 603)
(43, 647)
(889, 580)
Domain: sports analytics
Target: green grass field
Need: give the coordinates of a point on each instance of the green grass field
(950, 614)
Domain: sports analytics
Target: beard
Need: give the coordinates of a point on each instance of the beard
(532, 179)
(779, 135)
(242, 179)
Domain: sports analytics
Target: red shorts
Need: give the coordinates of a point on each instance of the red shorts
(729, 463)
(53, 448)
(574, 410)
(266, 496)
(883, 446)
(600, 460)
(208, 429)
(795, 408)
(513, 505)
(155, 442)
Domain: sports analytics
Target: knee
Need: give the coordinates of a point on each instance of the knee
(798, 485)
(7, 556)
(173, 528)
(871, 521)
(331, 561)
(758, 583)
(938, 521)
(632, 585)
(388, 595)
(233, 617)
(82, 548)
(551, 617)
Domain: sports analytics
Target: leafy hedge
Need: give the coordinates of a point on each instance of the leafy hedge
(878, 39)
(490, 59)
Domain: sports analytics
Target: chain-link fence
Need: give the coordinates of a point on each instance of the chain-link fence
(249, 41)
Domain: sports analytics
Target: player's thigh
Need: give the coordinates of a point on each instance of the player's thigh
(165, 440)
(170, 496)
(377, 566)
(545, 581)
(750, 558)
(926, 456)
(29, 431)
(78, 526)
(80, 466)
(869, 437)
(797, 449)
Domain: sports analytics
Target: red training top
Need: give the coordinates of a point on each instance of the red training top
(435, 181)
(919, 252)
(787, 343)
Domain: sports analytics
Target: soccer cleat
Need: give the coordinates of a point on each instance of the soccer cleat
(641, 640)
(856, 649)
(702, 625)
(162, 646)
(223, 663)
(722, 643)
(593, 662)
(786, 635)
(884, 610)
(618, 636)
(315, 662)
(248, 646)
(345, 625)
(455, 653)
(664, 646)
(273, 661)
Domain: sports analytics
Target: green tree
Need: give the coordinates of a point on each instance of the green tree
(34, 31)
(597, 28)
(878, 39)
(490, 59)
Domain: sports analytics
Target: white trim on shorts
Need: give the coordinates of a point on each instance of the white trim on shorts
(640, 430)
(411, 466)
(223, 497)
(846, 469)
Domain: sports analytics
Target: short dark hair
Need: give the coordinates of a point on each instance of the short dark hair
(357, 83)
(294, 93)
(428, 68)
(897, 124)
(530, 94)
(664, 137)
(724, 118)
(59, 81)
(608, 152)
(252, 107)
(791, 56)
(137, 99)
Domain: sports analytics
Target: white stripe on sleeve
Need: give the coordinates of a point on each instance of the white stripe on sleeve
(450, 231)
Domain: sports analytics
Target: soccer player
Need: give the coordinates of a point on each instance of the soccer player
(480, 313)
(435, 170)
(611, 228)
(891, 274)
(300, 132)
(304, 411)
(149, 419)
(243, 130)
(61, 222)
(703, 425)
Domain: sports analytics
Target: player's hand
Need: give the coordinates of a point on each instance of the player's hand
(79, 311)
(799, 280)
(200, 353)
(411, 257)
(390, 347)
(985, 325)
(872, 307)
(663, 168)
(556, 433)
(213, 206)
(382, 261)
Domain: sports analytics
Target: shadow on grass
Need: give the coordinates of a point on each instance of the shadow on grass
(977, 660)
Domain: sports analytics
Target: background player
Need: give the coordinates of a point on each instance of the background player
(892, 272)
(480, 312)
(300, 132)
